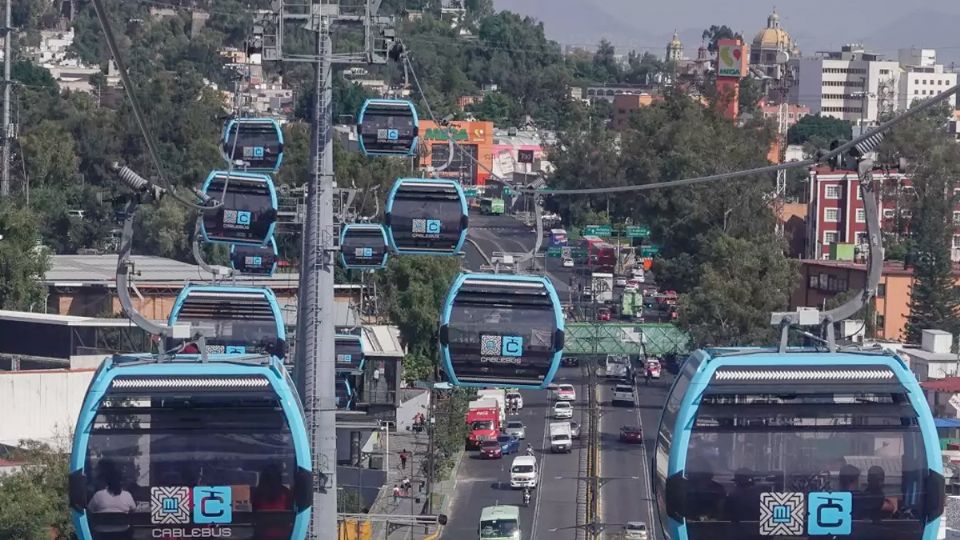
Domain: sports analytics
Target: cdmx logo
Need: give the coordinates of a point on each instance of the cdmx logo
(511, 346)
(202, 505)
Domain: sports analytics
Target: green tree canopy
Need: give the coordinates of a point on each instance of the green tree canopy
(717, 32)
(819, 130)
(33, 501)
(21, 265)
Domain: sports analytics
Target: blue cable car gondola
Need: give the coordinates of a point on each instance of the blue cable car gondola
(259, 260)
(255, 144)
(349, 352)
(756, 444)
(234, 320)
(426, 217)
(501, 330)
(248, 213)
(191, 449)
(363, 246)
(388, 127)
(344, 391)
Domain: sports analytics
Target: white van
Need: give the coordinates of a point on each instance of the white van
(561, 437)
(523, 472)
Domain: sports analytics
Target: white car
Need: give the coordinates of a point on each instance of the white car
(620, 281)
(562, 409)
(566, 392)
(635, 530)
(523, 472)
(515, 396)
(623, 394)
(568, 263)
(516, 428)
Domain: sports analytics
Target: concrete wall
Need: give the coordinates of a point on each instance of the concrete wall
(41, 405)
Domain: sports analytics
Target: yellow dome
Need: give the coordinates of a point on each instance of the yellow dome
(772, 38)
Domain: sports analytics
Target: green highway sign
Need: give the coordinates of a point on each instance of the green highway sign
(637, 231)
(507, 191)
(555, 251)
(598, 230)
(649, 251)
(577, 253)
(470, 192)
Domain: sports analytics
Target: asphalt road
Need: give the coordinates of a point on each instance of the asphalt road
(624, 497)
(483, 483)
(506, 234)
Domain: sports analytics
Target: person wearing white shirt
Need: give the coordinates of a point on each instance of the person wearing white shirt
(112, 499)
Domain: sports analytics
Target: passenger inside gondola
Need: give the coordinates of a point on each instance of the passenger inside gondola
(271, 496)
(112, 499)
(705, 496)
(743, 502)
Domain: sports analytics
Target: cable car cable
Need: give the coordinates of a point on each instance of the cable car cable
(138, 112)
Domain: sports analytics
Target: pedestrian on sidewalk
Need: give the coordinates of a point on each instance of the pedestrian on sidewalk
(396, 493)
(405, 486)
(403, 458)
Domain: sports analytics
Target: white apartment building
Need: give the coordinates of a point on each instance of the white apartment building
(921, 77)
(852, 84)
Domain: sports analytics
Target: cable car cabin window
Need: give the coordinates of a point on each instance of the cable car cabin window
(388, 128)
(259, 260)
(501, 342)
(168, 467)
(363, 246)
(854, 468)
(241, 325)
(665, 435)
(427, 218)
(248, 213)
(344, 393)
(257, 144)
(349, 351)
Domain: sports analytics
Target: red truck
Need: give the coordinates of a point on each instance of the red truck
(483, 419)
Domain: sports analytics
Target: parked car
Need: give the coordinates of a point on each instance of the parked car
(631, 434)
(574, 430)
(566, 392)
(562, 409)
(635, 530)
(516, 429)
(491, 450)
(508, 444)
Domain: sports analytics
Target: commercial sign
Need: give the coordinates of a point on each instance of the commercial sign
(637, 231)
(730, 58)
(598, 230)
(471, 161)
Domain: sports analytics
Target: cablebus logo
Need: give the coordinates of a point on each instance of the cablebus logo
(501, 349)
(206, 506)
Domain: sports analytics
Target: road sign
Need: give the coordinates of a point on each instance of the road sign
(507, 191)
(637, 231)
(598, 230)
(470, 192)
(555, 251)
(577, 253)
(649, 251)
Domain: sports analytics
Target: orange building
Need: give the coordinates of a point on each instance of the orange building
(476, 138)
(822, 280)
(625, 105)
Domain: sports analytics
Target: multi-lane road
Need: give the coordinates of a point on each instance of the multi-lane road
(625, 496)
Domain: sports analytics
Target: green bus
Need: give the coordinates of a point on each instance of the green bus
(492, 206)
(500, 523)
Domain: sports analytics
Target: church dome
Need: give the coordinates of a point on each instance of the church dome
(773, 36)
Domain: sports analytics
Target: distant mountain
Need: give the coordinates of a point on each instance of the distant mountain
(923, 28)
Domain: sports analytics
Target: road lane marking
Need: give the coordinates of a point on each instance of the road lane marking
(646, 469)
(541, 472)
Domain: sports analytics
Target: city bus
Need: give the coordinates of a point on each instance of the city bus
(492, 206)
(500, 523)
(558, 238)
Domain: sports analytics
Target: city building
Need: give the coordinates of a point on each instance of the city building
(772, 49)
(472, 164)
(921, 77)
(609, 93)
(823, 280)
(851, 84)
(626, 105)
(771, 111)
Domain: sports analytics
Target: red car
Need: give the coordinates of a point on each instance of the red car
(491, 450)
(603, 315)
(631, 434)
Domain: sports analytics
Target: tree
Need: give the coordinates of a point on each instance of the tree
(21, 265)
(819, 130)
(741, 282)
(751, 91)
(714, 33)
(50, 154)
(605, 66)
(414, 289)
(934, 160)
(33, 500)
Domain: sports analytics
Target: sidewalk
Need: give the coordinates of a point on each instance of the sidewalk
(412, 503)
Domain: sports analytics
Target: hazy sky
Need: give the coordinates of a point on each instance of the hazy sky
(882, 25)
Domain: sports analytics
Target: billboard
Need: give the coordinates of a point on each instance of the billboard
(475, 138)
(731, 58)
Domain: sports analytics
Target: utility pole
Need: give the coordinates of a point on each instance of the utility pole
(314, 346)
(7, 60)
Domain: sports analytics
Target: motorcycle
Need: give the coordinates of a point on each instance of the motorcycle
(526, 496)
